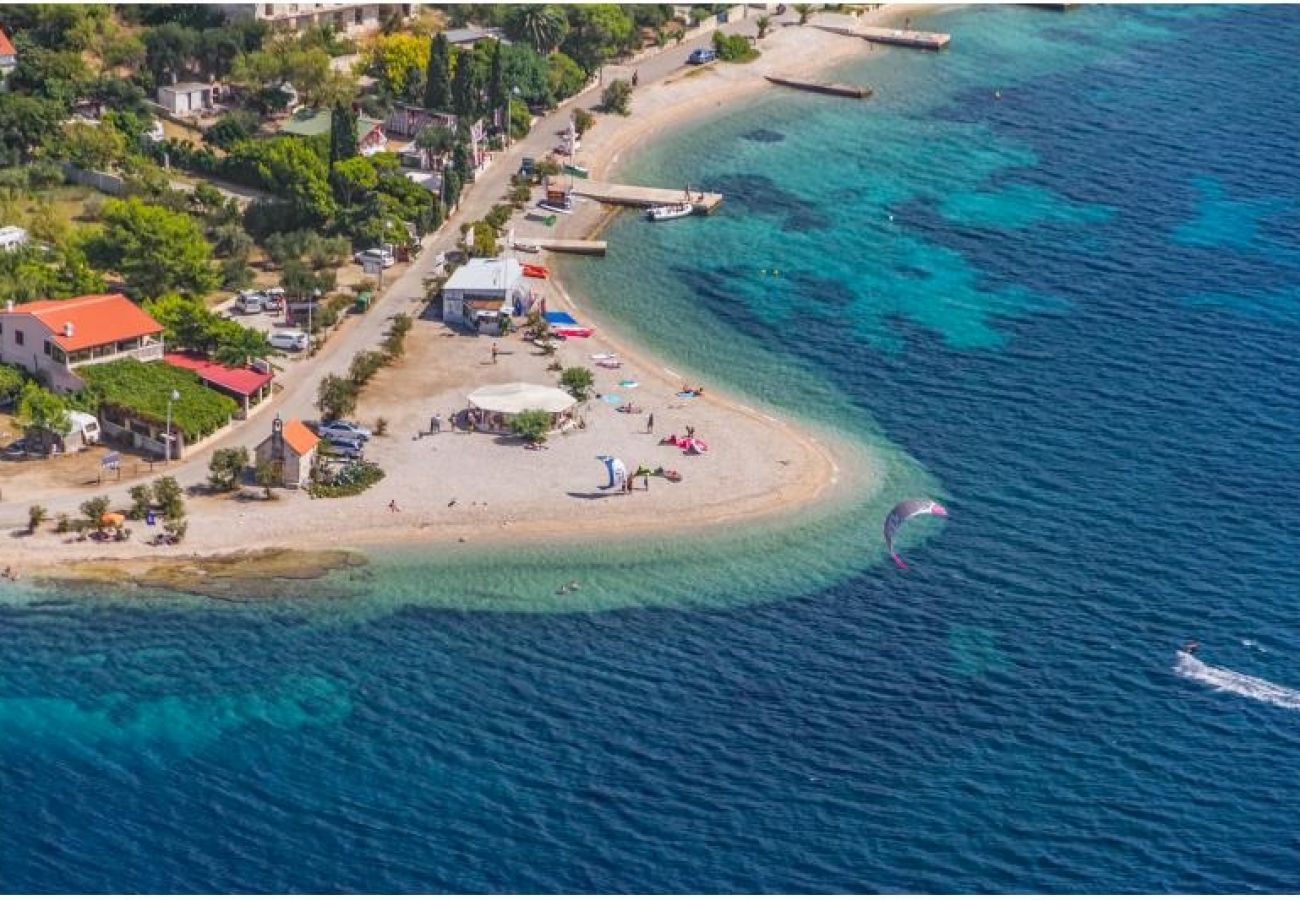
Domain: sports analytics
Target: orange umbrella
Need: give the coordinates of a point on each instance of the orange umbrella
(115, 520)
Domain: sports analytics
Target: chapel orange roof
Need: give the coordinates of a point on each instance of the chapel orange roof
(299, 437)
(96, 319)
(6, 46)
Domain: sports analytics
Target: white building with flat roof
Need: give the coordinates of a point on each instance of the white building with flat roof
(483, 289)
(12, 237)
(345, 18)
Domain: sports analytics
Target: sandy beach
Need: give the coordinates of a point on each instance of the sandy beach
(449, 488)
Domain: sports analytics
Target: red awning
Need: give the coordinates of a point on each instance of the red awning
(245, 381)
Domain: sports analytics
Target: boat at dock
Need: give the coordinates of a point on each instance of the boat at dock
(576, 170)
(524, 247)
(669, 211)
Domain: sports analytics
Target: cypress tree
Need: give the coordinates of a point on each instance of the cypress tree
(462, 162)
(497, 96)
(450, 189)
(464, 87)
(437, 88)
(343, 134)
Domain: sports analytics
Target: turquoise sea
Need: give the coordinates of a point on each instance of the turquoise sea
(1048, 276)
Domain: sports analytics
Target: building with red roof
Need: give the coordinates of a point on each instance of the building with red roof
(291, 449)
(8, 55)
(52, 338)
(248, 385)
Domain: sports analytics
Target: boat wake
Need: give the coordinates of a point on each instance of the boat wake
(1188, 666)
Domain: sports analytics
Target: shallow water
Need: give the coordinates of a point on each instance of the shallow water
(1080, 321)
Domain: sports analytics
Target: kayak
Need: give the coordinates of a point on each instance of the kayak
(571, 331)
(532, 270)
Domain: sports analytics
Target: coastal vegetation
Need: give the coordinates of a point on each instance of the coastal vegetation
(346, 481)
(226, 469)
(617, 97)
(577, 380)
(532, 425)
(36, 515)
(734, 48)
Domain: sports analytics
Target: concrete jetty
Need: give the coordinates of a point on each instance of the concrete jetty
(822, 87)
(562, 245)
(900, 37)
(633, 195)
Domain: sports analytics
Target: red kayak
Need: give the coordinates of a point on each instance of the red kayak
(535, 271)
(571, 331)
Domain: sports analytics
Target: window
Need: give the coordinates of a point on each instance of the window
(359, 17)
(47, 347)
(18, 337)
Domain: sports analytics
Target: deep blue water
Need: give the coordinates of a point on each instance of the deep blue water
(1081, 321)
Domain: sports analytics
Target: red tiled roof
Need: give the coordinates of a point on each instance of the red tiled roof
(299, 437)
(96, 319)
(6, 46)
(245, 380)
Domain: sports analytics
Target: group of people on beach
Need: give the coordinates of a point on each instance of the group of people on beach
(10, 573)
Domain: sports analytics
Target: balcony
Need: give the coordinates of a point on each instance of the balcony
(145, 350)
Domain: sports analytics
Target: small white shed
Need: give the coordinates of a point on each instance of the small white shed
(185, 98)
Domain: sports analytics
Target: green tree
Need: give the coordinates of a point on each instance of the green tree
(393, 57)
(41, 410)
(300, 280)
(227, 468)
(484, 242)
(269, 475)
(451, 188)
(598, 32)
(170, 498)
(805, 12)
(169, 49)
(533, 425)
(141, 502)
(11, 382)
(94, 510)
(437, 139)
(617, 97)
(237, 345)
(541, 27)
(577, 381)
(87, 146)
(497, 93)
(465, 88)
(155, 249)
(234, 126)
(336, 397)
(764, 24)
(58, 75)
(437, 86)
(25, 122)
(187, 322)
(564, 76)
(176, 527)
(343, 134)
(289, 168)
(583, 121)
(353, 179)
(35, 516)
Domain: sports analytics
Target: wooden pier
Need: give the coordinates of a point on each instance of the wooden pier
(632, 195)
(822, 87)
(562, 245)
(899, 37)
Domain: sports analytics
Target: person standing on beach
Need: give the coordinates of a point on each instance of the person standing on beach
(646, 481)
(392, 506)
(650, 424)
(494, 353)
(636, 77)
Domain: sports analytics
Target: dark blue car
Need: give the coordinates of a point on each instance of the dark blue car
(701, 56)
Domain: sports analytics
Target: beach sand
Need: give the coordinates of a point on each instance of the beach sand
(454, 487)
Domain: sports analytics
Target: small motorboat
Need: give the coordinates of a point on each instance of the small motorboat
(576, 170)
(609, 364)
(554, 208)
(671, 211)
(527, 248)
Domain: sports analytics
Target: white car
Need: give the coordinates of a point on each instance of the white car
(344, 432)
(288, 339)
(250, 302)
(375, 255)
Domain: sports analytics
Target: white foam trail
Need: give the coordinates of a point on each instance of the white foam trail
(1188, 666)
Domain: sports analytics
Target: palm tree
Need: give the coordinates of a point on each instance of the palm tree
(543, 27)
(764, 23)
(804, 10)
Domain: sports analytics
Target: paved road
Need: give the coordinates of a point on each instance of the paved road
(297, 399)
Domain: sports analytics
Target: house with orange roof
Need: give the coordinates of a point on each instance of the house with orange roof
(52, 338)
(8, 55)
(291, 448)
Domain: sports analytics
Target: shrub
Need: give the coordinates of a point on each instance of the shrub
(583, 120)
(617, 98)
(364, 366)
(577, 381)
(62, 524)
(532, 424)
(141, 502)
(734, 48)
(170, 498)
(269, 475)
(35, 516)
(499, 215)
(352, 479)
(227, 468)
(94, 509)
(176, 527)
(381, 427)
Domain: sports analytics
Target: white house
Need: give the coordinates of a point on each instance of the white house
(483, 290)
(51, 338)
(12, 237)
(345, 18)
(185, 97)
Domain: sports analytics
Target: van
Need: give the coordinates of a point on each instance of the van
(288, 339)
(250, 302)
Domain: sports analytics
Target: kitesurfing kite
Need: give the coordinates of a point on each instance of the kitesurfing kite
(901, 514)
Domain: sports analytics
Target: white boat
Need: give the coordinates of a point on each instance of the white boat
(671, 211)
(524, 247)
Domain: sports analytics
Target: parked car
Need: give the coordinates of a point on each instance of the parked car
(343, 431)
(288, 339)
(527, 167)
(250, 302)
(16, 450)
(345, 449)
(702, 55)
(376, 255)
